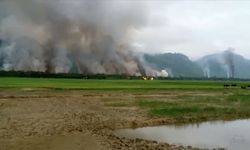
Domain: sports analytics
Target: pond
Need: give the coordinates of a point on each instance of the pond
(232, 135)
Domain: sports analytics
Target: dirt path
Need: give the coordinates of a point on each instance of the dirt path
(69, 120)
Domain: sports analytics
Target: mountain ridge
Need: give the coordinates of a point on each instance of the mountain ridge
(226, 64)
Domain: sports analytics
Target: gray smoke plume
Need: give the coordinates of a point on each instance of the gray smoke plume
(79, 36)
(229, 61)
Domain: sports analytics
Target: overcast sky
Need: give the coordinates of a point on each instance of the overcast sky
(196, 27)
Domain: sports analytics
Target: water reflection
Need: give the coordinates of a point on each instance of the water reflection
(232, 135)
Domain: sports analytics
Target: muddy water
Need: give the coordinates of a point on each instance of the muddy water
(232, 135)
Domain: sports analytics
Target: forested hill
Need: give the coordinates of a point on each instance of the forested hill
(176, 64)
(226, 64)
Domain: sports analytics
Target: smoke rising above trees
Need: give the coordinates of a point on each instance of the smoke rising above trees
(78, 36)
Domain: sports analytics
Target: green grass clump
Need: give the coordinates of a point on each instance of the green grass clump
(220, 106)
(239, 98)
(189, 111)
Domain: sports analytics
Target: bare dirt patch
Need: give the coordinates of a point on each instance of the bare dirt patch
(75, 120)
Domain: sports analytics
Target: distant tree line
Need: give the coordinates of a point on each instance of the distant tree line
(33, 74)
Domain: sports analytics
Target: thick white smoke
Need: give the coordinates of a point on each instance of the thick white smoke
(80, 36)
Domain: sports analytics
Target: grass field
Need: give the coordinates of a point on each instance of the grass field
(214, 101)
(225, 105)
(37, 113)
(108, 84)
(203, 107)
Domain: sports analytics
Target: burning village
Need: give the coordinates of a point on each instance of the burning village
(124, 75)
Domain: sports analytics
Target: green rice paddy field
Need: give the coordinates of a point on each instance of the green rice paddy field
(111, 84)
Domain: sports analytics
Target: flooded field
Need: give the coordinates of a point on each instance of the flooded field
(232, 135)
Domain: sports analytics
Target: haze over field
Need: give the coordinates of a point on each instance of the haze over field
(110, 36)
